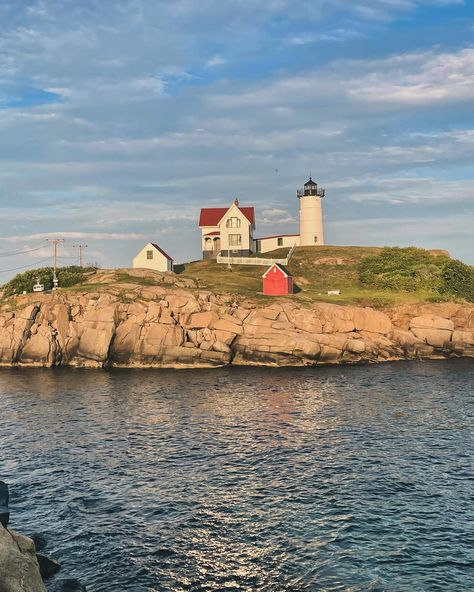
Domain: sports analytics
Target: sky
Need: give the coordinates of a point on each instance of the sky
(120, 119)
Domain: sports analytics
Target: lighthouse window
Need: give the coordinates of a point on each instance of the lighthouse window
(315, 240)
(280, 242)
(149, 254)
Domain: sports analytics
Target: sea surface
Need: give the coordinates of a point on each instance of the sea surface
(317, 479)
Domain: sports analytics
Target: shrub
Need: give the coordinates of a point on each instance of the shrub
(402, 269)
(458, 280)
(68, 276)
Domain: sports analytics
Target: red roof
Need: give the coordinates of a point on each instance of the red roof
(214, 233)
(212, 216)
(161, 251)
(280, 268)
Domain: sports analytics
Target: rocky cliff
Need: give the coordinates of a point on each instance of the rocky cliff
(156, 326)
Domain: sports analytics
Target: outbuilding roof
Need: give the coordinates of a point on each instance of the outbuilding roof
(161, 251)
(212, 216)
(280, 267)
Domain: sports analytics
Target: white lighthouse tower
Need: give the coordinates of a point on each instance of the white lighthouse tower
(311, 214)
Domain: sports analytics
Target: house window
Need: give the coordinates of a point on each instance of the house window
(233, 223)
(235, 240)
(280, 242)
(149, 254)
(315, 240)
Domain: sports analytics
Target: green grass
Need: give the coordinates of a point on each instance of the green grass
(312, 279)
(315, 270)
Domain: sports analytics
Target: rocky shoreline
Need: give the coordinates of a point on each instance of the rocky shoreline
(22, 568)
(137, 326)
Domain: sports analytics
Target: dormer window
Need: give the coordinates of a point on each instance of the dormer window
(233, 222)
(149, 254)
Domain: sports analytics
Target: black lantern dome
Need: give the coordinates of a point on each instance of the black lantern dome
(310, 188)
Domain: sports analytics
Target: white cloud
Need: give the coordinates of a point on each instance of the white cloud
(146, 133)
(419, 79)
(413, 79)
(216, 60)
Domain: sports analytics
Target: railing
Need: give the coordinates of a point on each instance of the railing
(317, 193)
(290, 254)
(256, 260)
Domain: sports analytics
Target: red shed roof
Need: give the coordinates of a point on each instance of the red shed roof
(162, 252)
(212, 216)
(280, 268)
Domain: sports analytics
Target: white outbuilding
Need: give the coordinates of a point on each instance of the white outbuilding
(153, 257)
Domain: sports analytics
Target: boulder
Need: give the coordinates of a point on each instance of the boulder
(355, 346)
(94, 344)
(68, 585)
(19, 571)
(38, 349)
(47, 565)
(373, 321)
(163, 335)
(39, 540)
(202, 320)
(431, 322)
(228, 325)
(439, 338)
(4, 499)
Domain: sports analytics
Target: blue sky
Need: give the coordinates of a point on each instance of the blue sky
(120, 119)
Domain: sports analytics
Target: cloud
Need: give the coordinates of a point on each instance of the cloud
(166, 107)
(337, 35)
(216, 60)
(115, 236)
(419, 79)
(413, 79)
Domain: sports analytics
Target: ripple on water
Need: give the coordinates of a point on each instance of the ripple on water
(323, 479)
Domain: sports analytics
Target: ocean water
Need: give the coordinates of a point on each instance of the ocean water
(310, 479)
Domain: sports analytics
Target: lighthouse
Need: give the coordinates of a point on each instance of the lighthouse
(311, 214)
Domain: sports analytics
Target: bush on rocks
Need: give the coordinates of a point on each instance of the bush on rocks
(458, 280)
(407, 269)
(68, 276)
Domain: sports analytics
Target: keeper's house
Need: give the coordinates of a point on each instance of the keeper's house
(153, 257)
(227, 231)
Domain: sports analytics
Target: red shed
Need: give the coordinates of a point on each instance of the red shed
(277, 281)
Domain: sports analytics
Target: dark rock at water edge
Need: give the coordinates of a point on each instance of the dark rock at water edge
(69, 585)
(39, 541)
(4, 499)
(47, 565)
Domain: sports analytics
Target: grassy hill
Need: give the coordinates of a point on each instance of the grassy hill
(366, 276)
(315, 269)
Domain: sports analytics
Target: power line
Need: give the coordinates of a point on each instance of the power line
(24, 266)
(12, 253)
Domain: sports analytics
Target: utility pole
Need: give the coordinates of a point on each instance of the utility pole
(81, 249)
(55, 242)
